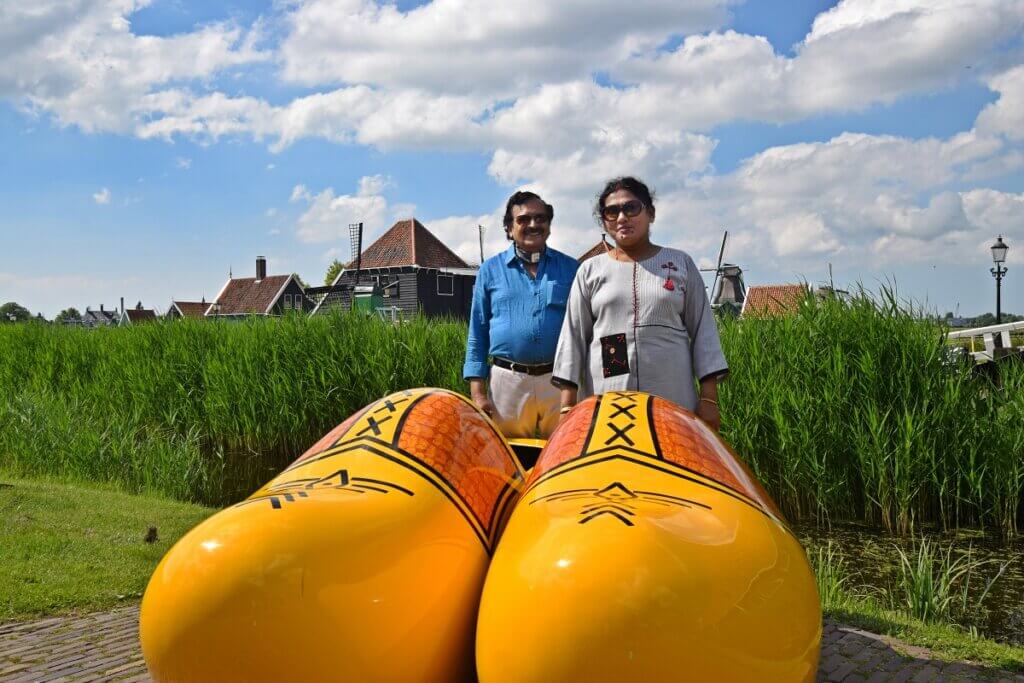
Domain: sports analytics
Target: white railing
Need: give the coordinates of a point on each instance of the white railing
(992, 338)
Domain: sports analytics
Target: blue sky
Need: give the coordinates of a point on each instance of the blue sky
(153, 146)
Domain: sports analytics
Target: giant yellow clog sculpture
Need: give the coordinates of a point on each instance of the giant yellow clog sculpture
(363, 561)
(643, 550)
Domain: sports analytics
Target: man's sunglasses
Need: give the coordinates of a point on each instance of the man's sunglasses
(632, 209)
(525, 219)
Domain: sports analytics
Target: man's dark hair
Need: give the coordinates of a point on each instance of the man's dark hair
(518, 199)
(630, 184)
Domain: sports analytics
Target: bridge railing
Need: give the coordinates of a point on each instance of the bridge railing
(994, 340)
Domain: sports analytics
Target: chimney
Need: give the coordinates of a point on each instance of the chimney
(101, 308)
(122, 305)
(261, 268)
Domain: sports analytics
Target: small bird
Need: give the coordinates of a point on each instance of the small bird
(151, 536)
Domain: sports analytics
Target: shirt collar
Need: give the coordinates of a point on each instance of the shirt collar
(511, 257)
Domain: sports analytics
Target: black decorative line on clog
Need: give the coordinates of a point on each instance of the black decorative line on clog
(617, 501)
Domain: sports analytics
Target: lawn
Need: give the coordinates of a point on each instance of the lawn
(70, 547)
(73, 547)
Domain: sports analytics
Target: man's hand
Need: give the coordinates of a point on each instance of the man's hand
(478, 393)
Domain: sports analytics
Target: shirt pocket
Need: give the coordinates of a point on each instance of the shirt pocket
(558, 295)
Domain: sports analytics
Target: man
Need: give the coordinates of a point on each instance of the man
(518, 305)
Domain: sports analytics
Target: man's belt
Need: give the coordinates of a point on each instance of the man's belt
(525, 368)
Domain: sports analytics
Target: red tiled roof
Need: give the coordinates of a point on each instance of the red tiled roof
(246, 295)
(408, 243)
(596, 250)
(773, 300)
(138, 315)
(191, 309)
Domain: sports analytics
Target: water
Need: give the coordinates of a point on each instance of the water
(872, 558)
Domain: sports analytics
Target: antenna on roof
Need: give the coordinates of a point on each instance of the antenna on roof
(355, 236)
(481, 229)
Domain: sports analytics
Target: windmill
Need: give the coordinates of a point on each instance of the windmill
(355, 236)
(728, 287)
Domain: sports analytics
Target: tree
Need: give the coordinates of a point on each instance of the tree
(12, 312)
(68, 315)
(332, 271)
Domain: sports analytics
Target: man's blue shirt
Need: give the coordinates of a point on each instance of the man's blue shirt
(515, 316)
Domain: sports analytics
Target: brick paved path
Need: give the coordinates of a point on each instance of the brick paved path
(104, 647)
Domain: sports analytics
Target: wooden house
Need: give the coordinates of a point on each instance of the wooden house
(134, 316)
(413, 271)
(271, 295)
(186, 309)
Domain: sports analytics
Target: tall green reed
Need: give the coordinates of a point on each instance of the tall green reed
(201, 410)
(844, 411)
(848, 409)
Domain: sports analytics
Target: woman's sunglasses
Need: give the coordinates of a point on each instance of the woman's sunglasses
(632, 209)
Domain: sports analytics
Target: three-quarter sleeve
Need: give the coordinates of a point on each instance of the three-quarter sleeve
(577, 332)
(478, 342)
(699, 320)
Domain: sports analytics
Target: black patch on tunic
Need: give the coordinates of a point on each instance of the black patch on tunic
(613, 355)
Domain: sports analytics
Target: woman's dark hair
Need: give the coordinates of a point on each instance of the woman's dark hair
(630, 184)
(518, 199)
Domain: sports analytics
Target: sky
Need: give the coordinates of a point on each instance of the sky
(152, 147)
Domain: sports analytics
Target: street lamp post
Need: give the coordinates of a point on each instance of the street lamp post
(999, 258)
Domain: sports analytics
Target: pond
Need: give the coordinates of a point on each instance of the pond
(873, 564)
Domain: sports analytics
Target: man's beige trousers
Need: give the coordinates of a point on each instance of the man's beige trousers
(527, 404)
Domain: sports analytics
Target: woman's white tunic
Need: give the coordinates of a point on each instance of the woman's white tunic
(655, 313)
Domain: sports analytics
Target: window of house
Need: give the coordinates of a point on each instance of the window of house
(445, 285)
(297, 301)
(287, 300)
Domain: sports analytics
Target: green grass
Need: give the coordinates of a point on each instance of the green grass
(846, 411)
(910, 611)
(945, 641)
(70, 547)
(201, 411)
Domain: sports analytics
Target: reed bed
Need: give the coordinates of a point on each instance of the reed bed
(202, 411)
(851, 410)
(847, 410)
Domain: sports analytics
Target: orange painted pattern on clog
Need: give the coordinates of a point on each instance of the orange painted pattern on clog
(456, 441)
(683, 443)
(568, 441)
(687, 442)
(332, 437)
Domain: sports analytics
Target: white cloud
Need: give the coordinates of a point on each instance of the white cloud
(801, 234)
(1006, 115)
(373, 184)
(183, 163)
(516, 81)
(79, 59)
(461, 234)
(328, 216)
(457, 47)
(101, 197)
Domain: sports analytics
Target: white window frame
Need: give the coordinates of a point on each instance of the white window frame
(450, 278)
(287, 301)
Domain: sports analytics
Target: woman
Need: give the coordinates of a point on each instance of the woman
(638, 317)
